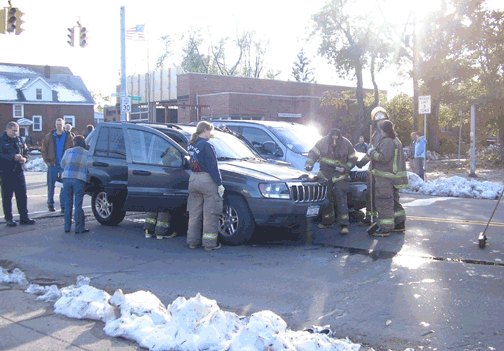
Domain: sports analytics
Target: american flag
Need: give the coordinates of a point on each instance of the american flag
(136, 33)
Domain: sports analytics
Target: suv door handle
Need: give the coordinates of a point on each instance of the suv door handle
(141, 173)
(100, 164)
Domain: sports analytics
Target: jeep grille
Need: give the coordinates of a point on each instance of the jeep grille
(308, 192)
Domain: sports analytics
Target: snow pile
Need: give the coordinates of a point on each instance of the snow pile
(37, 165)
(454, 186)
(17, 276)
(197, 323)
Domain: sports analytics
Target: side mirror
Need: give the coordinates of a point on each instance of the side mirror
(186, 162)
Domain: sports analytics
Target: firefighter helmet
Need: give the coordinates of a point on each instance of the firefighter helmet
(378, 114)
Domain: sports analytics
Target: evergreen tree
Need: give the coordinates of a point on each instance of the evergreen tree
(301, 70)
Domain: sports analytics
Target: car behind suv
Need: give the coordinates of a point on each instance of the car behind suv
(291, 142)
(127, 173)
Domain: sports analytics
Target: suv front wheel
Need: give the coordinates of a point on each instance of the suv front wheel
(106, 211)
(236, 224)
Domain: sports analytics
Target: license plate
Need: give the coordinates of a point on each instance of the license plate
(313, 211)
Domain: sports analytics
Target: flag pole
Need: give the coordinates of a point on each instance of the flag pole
(148, 77)
(123, 64)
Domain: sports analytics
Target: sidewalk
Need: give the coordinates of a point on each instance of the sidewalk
(27, 324)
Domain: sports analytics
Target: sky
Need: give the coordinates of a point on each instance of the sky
(284, 23)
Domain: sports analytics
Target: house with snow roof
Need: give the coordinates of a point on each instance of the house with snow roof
(35, 96)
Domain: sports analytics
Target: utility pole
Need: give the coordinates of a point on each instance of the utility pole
(473, 141)
(124, 91)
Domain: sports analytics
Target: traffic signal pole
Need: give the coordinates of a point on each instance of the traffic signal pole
(123, 63)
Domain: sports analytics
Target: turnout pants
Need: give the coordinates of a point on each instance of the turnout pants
(205, 207)
(337, 197)
(14, 183)
(390, 211)
(158, 223)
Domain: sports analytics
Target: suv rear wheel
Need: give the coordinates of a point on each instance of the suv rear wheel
(106, 211)
(236, 224)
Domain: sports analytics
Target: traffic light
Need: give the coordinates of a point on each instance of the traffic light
(11, 19)
(83, 37)
(19, 22)
(71, 35)
(2, 21)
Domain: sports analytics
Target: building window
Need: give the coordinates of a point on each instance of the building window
(37, 123)
(70, 120)
(18, 111)
(39, 94)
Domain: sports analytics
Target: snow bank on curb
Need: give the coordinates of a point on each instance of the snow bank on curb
(197, 323)
(454, 186)
(37, 165)
(17, 276)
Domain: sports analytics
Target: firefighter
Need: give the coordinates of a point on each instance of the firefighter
(389, 175)
(205, 191)
(158, 223)
(337, 157)
(378, 115)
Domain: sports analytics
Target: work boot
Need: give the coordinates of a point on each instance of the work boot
(161, 236)
(148, 234)
(344, 230)
(381, 233)
(365, 222)
(210, 248)
(324, 226)
(193, 246)
(401, 227)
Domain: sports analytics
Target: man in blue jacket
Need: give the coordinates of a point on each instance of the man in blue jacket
(13, 155)
(420, 150)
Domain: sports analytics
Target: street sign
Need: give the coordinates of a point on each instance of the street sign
(135, 98)
(125, 104)
(117, 94)
(424, 104)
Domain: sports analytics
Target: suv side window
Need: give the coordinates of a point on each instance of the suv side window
(148, 148)
(110, 143)
(256, 136)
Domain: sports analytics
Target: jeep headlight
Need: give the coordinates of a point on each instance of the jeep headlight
(274, 190)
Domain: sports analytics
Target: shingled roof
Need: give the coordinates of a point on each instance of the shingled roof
(66, 88)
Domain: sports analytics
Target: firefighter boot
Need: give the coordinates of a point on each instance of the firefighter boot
(148, 234)
(401, 227)
(344, 230)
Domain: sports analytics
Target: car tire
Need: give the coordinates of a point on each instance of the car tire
(236, 224)
(105, 210)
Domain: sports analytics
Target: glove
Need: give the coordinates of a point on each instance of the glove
(220, 190)
(371, 152)
(308, 168)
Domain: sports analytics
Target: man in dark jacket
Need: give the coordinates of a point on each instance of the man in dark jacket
(13, 155)
(361, 146)
(54, 145)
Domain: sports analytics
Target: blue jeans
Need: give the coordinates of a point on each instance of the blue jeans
(52, 175)
(74, 189)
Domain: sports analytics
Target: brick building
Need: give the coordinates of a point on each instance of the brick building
(206, 96)
(35, 96)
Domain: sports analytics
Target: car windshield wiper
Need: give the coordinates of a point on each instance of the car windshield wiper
(227, 158)
(252, 159)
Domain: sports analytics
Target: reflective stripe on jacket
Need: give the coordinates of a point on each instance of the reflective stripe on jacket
(389, 162)
(343, 155)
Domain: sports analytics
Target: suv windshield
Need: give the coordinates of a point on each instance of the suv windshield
(229, 146)
(298, 138)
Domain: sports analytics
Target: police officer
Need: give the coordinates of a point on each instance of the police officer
(389, 175)
(205, 191)
(378, 115)
(158, 223)
(337, 157)
(13, 155)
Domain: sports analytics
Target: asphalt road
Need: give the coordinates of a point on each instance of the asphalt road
(431, 287)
